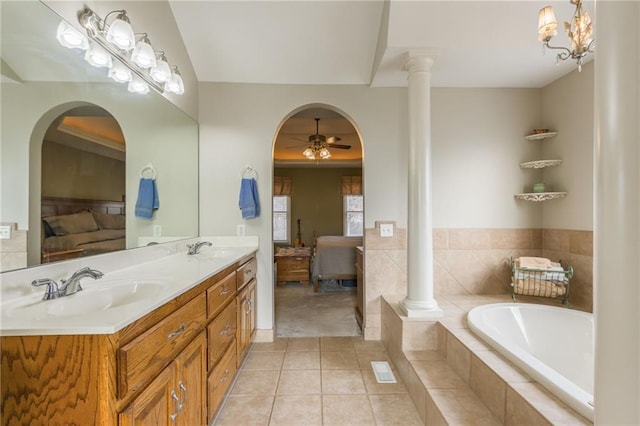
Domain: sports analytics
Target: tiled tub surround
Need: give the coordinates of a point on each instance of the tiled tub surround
(455, 378)
(13, 251)
(472, 261)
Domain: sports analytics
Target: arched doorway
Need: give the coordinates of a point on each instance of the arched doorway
(318, 200)
(81, 184)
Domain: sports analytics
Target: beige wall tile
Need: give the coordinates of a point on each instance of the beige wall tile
(536, 239)
(374, 241)
(10, 261)
(469, 239)
(518, 412)
(556, 239)
(16, 244)
(503, 368)
(581, 242)
(372, 333)
(436, 374)
(440, 239)
(458, 357)
(554, 410)
(419, 335)
(415, 388)
(511, 239)
(489, 387)
(462, 407)
(433, 415)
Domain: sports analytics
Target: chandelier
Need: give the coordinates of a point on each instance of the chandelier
(128, 56)
(579, 31)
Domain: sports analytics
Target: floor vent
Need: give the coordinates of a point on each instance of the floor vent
(382, 371)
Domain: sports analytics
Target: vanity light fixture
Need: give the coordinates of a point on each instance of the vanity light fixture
(113, 45)
(162, 71)
(579, 31)
(70, 37)
(143, 54)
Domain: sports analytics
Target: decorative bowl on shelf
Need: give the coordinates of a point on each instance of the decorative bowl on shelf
(539, 131)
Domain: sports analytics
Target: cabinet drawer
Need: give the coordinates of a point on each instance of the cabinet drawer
(220, 294)
(246, 273)
(221, 332)
(141, 359)
(293, 264)
(220, 379)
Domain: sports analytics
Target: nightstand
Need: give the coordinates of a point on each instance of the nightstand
(293, 265)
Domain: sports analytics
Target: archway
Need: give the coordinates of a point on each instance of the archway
(314, 202)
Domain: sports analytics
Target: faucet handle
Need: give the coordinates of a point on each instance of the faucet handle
(52, 291)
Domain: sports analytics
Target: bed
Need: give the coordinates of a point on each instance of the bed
(74, 227)
(334, 258)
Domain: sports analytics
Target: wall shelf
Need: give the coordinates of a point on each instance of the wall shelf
(540, 164)
(540, 196)
(538, 136)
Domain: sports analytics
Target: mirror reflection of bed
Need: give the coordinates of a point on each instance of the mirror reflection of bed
(318, 223)
(83, 185)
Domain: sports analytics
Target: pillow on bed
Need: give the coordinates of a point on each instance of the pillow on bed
(72, 223)
(109, 221)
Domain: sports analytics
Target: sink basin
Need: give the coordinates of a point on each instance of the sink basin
(94, 298)
(207, 253)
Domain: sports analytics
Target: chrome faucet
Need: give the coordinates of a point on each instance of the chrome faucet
(195, 248)
(67, 287)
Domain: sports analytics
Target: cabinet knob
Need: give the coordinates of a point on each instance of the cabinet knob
(178, 332)
(225, 291)
(226, 330)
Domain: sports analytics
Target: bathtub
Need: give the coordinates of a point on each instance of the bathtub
(552, 345)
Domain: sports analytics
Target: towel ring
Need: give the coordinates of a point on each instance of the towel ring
(248, 171)
(148, 168)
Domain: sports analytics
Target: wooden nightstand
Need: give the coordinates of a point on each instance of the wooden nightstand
(293, 265)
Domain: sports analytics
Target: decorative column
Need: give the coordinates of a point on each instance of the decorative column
(420, 302)
(617, 213)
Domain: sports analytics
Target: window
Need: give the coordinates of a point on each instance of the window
(281, 219)
(353, 207)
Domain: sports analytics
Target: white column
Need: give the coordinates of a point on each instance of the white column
(420, 301)
(617, 213)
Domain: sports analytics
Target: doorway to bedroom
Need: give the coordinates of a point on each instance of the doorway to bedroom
(318, 223)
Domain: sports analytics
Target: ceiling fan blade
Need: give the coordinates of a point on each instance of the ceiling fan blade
(332, 139)
(298, 140)
(339, 146)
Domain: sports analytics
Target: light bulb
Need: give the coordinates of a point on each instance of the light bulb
(120, 32)
(324, 153)
(70, 37)
(98, 57)
(120, 73)
(143, 54)
(161, 72)
(137, 85)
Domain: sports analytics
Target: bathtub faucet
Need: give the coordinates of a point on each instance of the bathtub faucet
(195, 248)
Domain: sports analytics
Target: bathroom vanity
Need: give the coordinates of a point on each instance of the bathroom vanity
(170, 365)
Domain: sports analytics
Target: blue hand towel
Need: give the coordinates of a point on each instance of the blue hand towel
(249, 202)
(147, 198)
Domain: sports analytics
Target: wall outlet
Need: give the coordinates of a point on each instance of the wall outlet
(157, 230)
(5, 232)
(386, 230)
(240, 230)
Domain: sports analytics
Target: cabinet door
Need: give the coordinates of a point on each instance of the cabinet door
(156, 405)
(190, 382)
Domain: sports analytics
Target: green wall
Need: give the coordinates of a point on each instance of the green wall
(316, 200)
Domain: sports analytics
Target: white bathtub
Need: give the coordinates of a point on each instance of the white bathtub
(553, 345)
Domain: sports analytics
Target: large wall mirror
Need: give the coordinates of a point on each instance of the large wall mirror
(52, 98)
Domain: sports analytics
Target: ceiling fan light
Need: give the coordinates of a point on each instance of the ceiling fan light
(161, 72)
(309, 154)
(143, 54)
(139, 86)
(324, 153)
(120, 32)
(71, 38)
(120, 73)
(98, 57)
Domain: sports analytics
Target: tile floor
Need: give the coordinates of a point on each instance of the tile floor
(315, 381)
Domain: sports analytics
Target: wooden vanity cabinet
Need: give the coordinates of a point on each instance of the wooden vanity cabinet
(176, 395)
(171, 366)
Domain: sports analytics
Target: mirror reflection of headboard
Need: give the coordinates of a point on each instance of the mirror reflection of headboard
(55, 206)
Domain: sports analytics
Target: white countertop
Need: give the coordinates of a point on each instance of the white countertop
(23, 312)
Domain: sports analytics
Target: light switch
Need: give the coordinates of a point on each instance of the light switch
(240, 230)
(386, 230)
(157, 230)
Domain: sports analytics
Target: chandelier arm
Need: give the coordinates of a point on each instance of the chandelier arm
(562, 55)
(590, 46)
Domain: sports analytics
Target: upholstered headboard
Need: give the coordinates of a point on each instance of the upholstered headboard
(56, 206)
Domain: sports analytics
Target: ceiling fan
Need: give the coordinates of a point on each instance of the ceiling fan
(319, 144)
